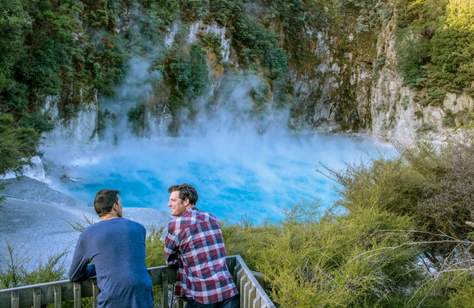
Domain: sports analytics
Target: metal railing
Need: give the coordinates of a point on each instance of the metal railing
(57, 293)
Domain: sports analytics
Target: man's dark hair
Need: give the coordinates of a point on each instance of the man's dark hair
(186, 191)
(104, 201)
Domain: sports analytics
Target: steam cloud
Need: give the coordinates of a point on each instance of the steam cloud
(243, 164)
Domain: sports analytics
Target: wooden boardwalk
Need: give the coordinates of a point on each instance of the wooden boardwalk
(58, 293)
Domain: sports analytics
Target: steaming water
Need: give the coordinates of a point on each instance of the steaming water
(244, 166)
(254, 178)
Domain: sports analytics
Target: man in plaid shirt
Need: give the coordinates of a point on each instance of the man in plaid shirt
(195, 244)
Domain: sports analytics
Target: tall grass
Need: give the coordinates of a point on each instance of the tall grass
(14, 272)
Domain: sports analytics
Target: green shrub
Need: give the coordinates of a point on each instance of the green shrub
(186, 77)
(255, 43)
(212, 42)
(155, 254)
(136, 117)
(15, 274)
(340, 261)
(192, 10)
(17, 144)
(432, 187)
(162, 12)
(435, 46)
(464, 293)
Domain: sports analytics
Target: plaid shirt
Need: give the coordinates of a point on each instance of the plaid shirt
(194, 242)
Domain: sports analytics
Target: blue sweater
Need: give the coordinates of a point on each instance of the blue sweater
(116, 248)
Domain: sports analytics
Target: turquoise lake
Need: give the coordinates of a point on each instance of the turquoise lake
(253, 178)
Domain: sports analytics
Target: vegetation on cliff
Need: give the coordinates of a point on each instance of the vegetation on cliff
(309, 52)
(436, 47)
(54, 48)
(17, 146)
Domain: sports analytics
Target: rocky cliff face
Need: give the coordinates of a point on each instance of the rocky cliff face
(395, 113)
(353, 86)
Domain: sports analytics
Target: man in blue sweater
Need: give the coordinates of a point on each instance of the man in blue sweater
(114, 250)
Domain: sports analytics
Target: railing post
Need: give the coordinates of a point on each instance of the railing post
(240, 279)
(252, 296)
(235, 277)
(95, 291)
(57, 297)
(164, 287)
(77, 294)
(251, 292)
(247, 288)
(257, 302)
(36, 298)
(15, 300)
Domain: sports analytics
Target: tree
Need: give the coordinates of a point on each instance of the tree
(17, 144)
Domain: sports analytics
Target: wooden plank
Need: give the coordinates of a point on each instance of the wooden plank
(15, 300)
(95, 292)
(57, 296)
(252, 297)
(230, 262)
(155, 274)
(241, 278)
(237, 268)
(36, 298)
(247, 288)
(164, 288)
(257, 302)
(77, 294)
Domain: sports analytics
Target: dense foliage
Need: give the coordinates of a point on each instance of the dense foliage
(436, 46)
(53, 48)
(186, 76)
(72, 52)
(404, 241)
(17, 144)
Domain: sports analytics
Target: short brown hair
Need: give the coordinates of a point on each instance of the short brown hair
(186, 191)
(104, 201)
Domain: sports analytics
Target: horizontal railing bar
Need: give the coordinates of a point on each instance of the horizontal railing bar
(154, 270)
(248, 273)
(65, 287)
(259, 276)
(63, 290)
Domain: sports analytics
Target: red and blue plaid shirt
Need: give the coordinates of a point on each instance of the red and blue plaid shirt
(195, 243)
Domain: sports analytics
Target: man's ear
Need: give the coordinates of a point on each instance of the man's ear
(186, 202)
(116, 206)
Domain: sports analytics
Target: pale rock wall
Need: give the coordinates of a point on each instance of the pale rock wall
(391, 103)
(79, 129)
(395, 114)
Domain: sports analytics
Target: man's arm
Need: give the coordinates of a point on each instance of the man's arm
(81, 269)
(171, 245)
